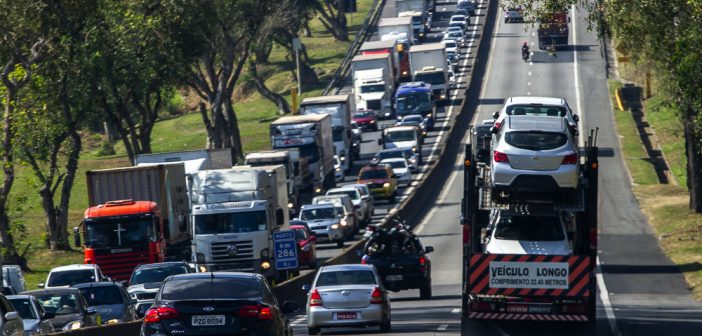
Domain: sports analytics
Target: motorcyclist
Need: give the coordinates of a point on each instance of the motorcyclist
(525, 50)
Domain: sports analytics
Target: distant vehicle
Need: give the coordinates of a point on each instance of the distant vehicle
(537, 106)
(349, 220)
(450, 46)
(324, 221)
(66, 276)
(35, 318)
(468, 5)
(380, 180)
(339, 172)
(459, 25)
(455, 36)
(366, 120)
(415, 120)
(148, 278)
(67, 305)
(110, 300)
(366, 199)
(514, 14)
(403, 137)
(459, 18)
(510, 233)
(361, 202)
(11, 323)
(407, 153)
(400, 169)
(306, 246)
(349, 295)
(230, 303)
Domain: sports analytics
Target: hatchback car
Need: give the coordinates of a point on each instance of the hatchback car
(401, 169)
(366, 120)
(306, 246)
(380, 180)
(67, 305)
(537, 106)
(110, 300)
(222, 303)
(513, 233)
(65, 276)
(324, 221)
(11, 323)
(409, 155)
(349, 295)
(415, 120)
(147, 279)
(35, 318)
(534, 154)
(514, 14)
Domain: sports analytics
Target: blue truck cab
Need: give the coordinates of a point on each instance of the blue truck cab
(415, 98)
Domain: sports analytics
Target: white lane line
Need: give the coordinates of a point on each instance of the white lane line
(442, 327)
(576, 78)
(455, 310)
(604, 296)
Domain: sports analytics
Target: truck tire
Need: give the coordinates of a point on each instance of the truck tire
(385, 326)
(425, 291)
(313, 330)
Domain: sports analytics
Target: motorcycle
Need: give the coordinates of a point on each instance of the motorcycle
(525, 54)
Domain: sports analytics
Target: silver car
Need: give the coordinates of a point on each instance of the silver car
(324, 221)
(537, 106)
(10, 321)
(350, 295)
(35, 318)
(515, 233)
(534, 154)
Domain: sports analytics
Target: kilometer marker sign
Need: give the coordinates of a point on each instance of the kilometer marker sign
(514, 274)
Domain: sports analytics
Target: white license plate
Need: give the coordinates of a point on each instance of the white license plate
(208, 320)
(394, 277)
(346, 316)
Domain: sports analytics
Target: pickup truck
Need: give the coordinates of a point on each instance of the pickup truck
(401, 261)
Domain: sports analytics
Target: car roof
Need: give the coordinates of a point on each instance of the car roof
(162, 264)
(19, 297)
(74, 267)
(215, 275)
(375, 167)
(297, 227)
(400, 128)
(61, 290)
(535, 123)
(393, 160)
(95, 284)
(346, 267)
(535, 100)
(354, 185)
(317, 206)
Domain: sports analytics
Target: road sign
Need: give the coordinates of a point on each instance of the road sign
(285, 250)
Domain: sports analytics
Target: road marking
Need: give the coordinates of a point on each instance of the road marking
(442, 327)
(604, 296)
(298, 321)
(455, 310)
(576, 78)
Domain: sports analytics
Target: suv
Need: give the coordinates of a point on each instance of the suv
(412, 157)
(66, 276)
(515, 233)
(10, 320)
(324, 220)
(514, 14)
(110, 300)
(380, 180)
(534, 154)
(345, 206)
(537, 106)
(147, 279)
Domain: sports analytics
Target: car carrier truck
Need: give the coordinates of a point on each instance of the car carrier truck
(532, 285)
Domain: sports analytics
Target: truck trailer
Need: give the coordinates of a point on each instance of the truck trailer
(339, 108)
(553, 30)
(417, 10)
(297, 172)
(428, 64)
(399, 54)
(194, 160)
(397, 25)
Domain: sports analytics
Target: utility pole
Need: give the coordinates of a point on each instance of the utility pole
(297, 46)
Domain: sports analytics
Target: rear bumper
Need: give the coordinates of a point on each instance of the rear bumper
(506, 177)
(409, 281)
(528, 317)
(324, 317)
(382, 192)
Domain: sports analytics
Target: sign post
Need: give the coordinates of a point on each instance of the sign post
(285, 250)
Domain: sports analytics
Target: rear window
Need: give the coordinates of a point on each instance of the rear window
(102, 295)
(68, 278)
(390, 154)
(536, 140)
(396, 164)
(351, 193)
(529, 228)
(199, 289)
(339, 278)
(373, 174)
(152, 275)
(537, 110)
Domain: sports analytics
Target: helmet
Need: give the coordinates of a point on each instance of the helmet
(525, 43)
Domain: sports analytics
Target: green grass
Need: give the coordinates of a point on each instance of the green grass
(665, 120)
(185, 132)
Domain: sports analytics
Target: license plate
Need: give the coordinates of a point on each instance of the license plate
(540, 309)
(394, 277)
(347, 316)
(517, 309)
(208, 320)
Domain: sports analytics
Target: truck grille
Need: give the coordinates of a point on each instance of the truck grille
(222, 252)
(119, 266)
(374, 104)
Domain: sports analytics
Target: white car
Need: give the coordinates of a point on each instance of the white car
(456, 36)
(450, 46)
(512, 233)
(459, 18)
(361, 204)
(401, 169)
(537, 106)
(66, 276)
(453, 29)
(339, 173)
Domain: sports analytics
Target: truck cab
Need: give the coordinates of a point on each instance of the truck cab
(373, 91)
(402, 137)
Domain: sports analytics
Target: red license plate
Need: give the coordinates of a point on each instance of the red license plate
(346, 316)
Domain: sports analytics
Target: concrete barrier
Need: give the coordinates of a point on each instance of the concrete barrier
(121, 329)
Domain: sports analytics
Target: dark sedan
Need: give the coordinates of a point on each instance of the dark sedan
(35, 319)
(68, 305)
(230, 303)
(110, 300)
(366, 120)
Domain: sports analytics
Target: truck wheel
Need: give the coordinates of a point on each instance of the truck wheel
(385, 326)
(425, 292)
(313, 330)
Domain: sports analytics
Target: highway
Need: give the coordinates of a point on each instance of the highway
(640, 291)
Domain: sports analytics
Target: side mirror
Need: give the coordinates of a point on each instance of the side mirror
(124, 283)
(493, 130)
(40, 285)
(428, 249)
(306, 288)
(495, 114)
(365, 197)
(290, 307)
(76, 237)
(576, 118)
(12, 316)
(91, 311)
(279, 217)
(48, 315)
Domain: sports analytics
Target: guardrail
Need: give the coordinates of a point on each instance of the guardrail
(361, 36)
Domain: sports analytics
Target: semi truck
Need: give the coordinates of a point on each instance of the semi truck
(428, 64)
(370, 61)
(373, 90)
(234, 214)
(415, 9)
(399, 53)
(397, 25)
(339, 108)
(297, 173)
(534, 285)
(553, 30)
(194, 161)
(312, 136)
(136, 215)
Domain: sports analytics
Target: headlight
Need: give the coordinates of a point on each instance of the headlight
(412, 160)
(414, 149)
(372, 121)
(386, 185)
(343, 158)
(290, 205)
(338, 169)
(334, 226)
(343, 222)
(72, 325)
(202, 268)
(318, 190)
(265, 265)
(113, 321)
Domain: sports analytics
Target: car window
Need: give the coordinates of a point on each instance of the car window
(529, 228)
(67, 278)
(321, 213)
(351, 193)
(368, 174)
(102, 295)
(59, 304)
(537, 110)
(221, 288)
(24, 308)
(152, 275)
(339, 278)
(409, 135)
(536, 140)
(300, 234)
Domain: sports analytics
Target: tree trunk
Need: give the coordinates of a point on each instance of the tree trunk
(7, 242)
(693, 151)
(274, 97)
(306, 28)
(233, 121)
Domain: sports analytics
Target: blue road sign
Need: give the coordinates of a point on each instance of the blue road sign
(285, 250)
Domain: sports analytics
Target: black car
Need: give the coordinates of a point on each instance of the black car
(110, 300)
(148, 278)
(229, 303)
(401, 261)
(68, 306)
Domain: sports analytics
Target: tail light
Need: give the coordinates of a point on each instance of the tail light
(315, 299)
(363, 260)
(497, 125)
(248, 311)
(265, 313)
(376, 296)
(570, 159)
(257, 311)
(500, 157)
(156, 314)
(422, 263)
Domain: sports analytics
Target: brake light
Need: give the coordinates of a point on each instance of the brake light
(422, 260)
(265, 313)
(497, 125)
(315, 299)
(570, 159)
(155, 315)
(376, 296)
(500, 157)
(248, 311)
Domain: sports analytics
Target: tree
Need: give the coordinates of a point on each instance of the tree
(333, 17)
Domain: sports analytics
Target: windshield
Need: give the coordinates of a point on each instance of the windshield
(411, 101)
(417, 19)
(310, 152)
(340, 278)
(537, 110)
(59, 304)
(68, 278)
(352, 193)
(414, 120)
(102, 295)
(151, 275)
(338, 134)
(319, 213)
(334, 109)
(24, 308)
(536, 140)
(373, 174)
(396, 164)
(231, 222)
(363, 114)
(198, 289)
(529, 228)
(300, 234)
(431, 78)
(118, 233)
(449, 44)
(372, 88)
(395, 136)
(391, 154)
